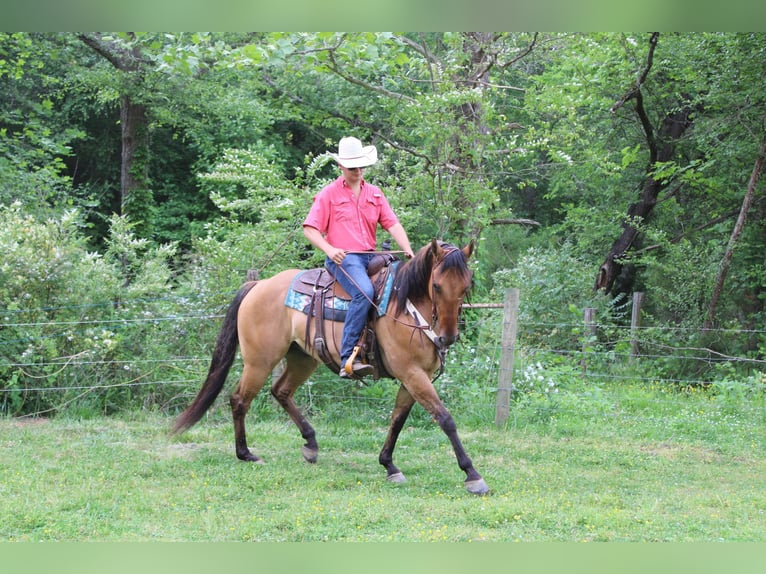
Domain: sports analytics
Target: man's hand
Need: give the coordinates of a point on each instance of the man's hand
(336, 255)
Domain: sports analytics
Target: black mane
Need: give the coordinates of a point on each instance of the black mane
(413, 277)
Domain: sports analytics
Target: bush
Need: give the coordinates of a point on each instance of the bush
(554, 291)
(80, 328)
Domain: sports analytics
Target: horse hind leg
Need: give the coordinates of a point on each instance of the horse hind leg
(297, 368)
(250, 384)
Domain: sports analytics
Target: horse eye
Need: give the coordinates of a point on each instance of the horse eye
(437, 288)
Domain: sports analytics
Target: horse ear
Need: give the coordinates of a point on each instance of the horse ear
(468, 249)
(435, 248)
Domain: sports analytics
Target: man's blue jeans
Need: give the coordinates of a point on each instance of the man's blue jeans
(359, 286)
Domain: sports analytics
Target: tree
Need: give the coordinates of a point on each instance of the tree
(473, 129)
(426, 99)
(201, 96)
(735, 235)
(35, 139)
(661, 144)
(127, 57)
(652, 181)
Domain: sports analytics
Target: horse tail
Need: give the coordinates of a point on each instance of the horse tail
(223, 357)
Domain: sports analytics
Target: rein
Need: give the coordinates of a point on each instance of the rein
(421, 324)
(351, 279)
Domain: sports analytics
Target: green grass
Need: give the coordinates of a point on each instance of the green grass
(623, 466)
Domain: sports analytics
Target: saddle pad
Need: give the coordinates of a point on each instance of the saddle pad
(335, 307)
(385, 295)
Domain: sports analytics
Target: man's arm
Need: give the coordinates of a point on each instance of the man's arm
(316, 239)
(400, 236)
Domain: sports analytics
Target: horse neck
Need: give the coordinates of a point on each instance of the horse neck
(412, 284)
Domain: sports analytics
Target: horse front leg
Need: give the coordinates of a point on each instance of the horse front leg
(474, 483)
(422, 389)
(402, 408)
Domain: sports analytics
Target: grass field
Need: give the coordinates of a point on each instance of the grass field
(682, 469)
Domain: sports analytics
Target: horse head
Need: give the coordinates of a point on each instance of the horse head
(449, 285)
(438, 275)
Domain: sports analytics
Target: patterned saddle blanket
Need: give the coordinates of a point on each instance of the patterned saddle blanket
(313, 285)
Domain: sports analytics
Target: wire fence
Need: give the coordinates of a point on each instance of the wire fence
(155, 353)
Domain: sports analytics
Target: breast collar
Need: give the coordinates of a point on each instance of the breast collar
(422, 325)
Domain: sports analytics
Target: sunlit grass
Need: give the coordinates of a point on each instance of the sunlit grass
(634, 464)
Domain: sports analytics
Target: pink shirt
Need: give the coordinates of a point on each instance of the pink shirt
(346, 223)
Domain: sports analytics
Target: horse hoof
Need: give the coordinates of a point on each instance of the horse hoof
(477, 486)
(309, 454)
(252, 458)
(397, 478)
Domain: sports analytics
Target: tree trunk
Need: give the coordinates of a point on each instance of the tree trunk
(135, 141)
(483, 52)
(134, 122)
(736, 232)
(470, 116)
(662, 148)
(672, 129)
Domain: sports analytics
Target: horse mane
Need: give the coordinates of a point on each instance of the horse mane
(412, 278)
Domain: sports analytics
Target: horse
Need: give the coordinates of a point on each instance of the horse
(433, 283)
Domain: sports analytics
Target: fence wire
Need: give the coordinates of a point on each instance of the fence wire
(98, 358)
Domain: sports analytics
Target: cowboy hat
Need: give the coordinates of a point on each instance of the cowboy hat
(352, 154)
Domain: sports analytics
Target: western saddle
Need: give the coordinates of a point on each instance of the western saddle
(322, 288)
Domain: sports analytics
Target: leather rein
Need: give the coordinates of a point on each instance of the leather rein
(421, 324)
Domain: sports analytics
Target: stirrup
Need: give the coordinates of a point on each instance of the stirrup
(349, 366)
(356, 369)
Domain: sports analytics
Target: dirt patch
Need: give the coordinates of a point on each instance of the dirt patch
(178, 450)
(25, 422)
(674, 451)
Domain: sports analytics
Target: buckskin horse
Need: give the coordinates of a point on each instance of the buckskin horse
(434, 283)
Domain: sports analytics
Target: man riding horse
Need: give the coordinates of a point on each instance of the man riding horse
(342, 223)
(412, 335)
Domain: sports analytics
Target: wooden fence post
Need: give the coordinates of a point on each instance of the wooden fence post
(589, 319)
(505, 373)
(635, 323)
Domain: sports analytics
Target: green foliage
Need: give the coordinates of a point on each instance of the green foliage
(242, 183)
(553, 293)
(688, 264)
(47, 280)
(432, 163)
(144, 268)
(79, 327)
(469, 382)
(262, 230)
(470, 127)
(34, 142)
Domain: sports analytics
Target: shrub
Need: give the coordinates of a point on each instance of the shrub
(79, 327)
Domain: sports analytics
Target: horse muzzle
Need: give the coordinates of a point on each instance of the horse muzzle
(447, 340)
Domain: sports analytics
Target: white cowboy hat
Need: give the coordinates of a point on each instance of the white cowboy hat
(352, 154)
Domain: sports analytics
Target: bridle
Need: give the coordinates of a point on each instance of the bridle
(434, 315)
(421, 324)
